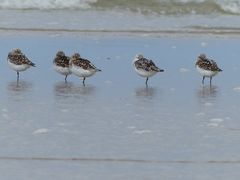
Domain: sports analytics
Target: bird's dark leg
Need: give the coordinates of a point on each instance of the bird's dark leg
(210, 80)
(146, 81)
(84, 81)
(17, 76)
(66, 78)
(203, 79)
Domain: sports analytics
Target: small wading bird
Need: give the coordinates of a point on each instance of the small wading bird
(145, 67)
(61, 64)
(206, 67)
(82, 67)
(18, 61)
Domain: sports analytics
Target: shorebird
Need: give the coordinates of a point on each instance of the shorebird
(82, 67)
(61, 64)
(145, 67)
(207, 67)
(18, 61)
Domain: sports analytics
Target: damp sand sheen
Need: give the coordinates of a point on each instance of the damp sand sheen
(116, 127)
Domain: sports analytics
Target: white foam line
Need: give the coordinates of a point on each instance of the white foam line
(189, 32)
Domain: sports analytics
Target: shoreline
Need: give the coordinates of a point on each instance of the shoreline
(195, 31)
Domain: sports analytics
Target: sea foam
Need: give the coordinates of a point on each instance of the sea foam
(46, 4)
(157, 6)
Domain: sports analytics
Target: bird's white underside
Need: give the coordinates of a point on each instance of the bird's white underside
(206, 73)
(18, 68)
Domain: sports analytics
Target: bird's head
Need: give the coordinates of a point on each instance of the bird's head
(60, 54)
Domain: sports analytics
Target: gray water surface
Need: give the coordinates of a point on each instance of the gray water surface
(115, 127)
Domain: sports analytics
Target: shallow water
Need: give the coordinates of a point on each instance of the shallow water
(117, 21)
(115, 127)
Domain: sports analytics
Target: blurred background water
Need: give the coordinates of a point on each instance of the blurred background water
(170, 7)
(215, 16)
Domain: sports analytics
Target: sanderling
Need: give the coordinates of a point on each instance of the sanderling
(18, 61)
(145, 67)
(82, 67)
(206, 67)
(61, 64)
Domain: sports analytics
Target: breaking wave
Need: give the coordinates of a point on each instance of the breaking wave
(167, 7)
(45, 4)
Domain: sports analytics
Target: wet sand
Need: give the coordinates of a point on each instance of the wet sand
(115, 127)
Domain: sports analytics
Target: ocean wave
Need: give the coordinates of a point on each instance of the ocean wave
(45, 4)
(163, 7)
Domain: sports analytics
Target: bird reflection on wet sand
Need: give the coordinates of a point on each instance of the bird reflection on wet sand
(21, 90)
(206, 92)
(70, 89)
(145, 91)
(19, 86)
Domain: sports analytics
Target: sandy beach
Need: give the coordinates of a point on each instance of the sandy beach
(115, 127)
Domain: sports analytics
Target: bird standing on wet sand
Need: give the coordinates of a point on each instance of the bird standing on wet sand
(18, 61)
(207, 67)
(61, 64)
(145, 67)
(82, 67)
